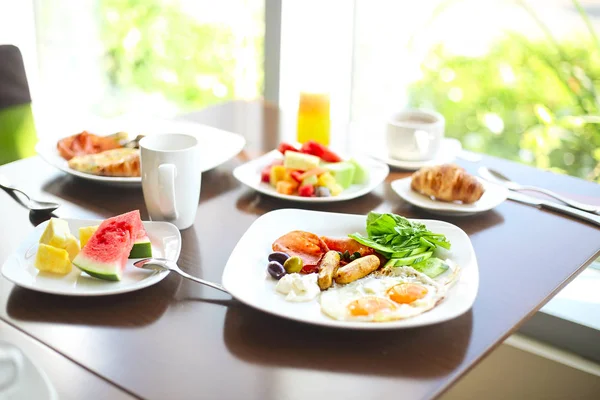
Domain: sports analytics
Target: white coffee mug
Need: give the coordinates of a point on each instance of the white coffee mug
(171, 177)
(414, 135)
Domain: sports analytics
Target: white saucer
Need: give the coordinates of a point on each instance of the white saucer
(449, 150)
(493, 196)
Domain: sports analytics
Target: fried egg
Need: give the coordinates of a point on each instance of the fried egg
(389, 294)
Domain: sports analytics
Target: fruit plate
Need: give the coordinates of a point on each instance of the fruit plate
(19, 269)
(250, 172)
(493, 196)
(216, 146)
(246, 279)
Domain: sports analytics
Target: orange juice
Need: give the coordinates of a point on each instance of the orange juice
(313, 118)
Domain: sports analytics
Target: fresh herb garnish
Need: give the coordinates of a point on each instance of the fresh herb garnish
(401, 241)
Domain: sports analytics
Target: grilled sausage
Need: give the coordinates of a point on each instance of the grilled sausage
(328, 267)
(357, 269)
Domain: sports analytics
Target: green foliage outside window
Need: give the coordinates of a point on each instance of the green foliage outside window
(154, 46)
(533, 102)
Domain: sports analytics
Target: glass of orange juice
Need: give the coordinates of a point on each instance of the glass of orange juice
(313, 118)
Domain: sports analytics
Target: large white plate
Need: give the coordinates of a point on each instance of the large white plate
(18, 268)
(449, 150)
(249, 174)
(493, 196)
(216, 146)
(246, 279)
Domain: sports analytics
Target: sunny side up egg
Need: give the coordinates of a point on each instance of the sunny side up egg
(389, 294)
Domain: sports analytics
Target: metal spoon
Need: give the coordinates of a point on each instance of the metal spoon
(495, 176)
(162, 264)
(32, 204)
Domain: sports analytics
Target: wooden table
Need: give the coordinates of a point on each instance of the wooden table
(181, 340)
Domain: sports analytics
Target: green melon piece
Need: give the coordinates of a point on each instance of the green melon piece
(343, 172)
(142, 248)
(361, 175)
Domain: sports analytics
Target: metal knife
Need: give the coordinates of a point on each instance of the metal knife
(550, 205)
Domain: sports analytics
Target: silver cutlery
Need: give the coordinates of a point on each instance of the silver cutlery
(539, 203)
(32, 204)
(495, 176)
(162, 264)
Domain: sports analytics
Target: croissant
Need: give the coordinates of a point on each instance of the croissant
(447, 182)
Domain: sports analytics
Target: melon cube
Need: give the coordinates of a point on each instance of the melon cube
(85, 233)
(52, 259)
(343, 172)
(300, 161)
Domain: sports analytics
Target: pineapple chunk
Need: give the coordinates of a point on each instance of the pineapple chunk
(53, 259)
(56, 233)
(72, 247)
(86, 233)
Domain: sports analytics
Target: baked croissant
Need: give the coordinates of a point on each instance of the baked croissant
(447, 182)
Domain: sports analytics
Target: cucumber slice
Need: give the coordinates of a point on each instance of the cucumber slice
(412, 251)
(432, 267)
(400, 262)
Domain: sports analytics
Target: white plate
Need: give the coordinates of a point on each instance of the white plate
(246, 279)
(493, 196)
(249, 174)
(216, 147)
(19, 269)
(449, 150)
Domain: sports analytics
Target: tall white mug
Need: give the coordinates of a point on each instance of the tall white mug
(171, 177)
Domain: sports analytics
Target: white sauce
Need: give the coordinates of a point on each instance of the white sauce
(298, 287)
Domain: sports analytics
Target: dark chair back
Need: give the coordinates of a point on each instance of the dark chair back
(17, 128)
(14, 89)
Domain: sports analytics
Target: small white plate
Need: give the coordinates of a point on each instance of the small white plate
(493, 196)
(250, 172)
(19, 269)
(246, 279)
(216, 147)
(449, 150)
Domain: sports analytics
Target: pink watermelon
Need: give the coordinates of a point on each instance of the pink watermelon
(105, 255)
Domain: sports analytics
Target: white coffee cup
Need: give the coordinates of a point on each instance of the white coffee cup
(171, 177)
(414, 135)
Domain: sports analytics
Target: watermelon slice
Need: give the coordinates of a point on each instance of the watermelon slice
(105, 255)
(142, 248)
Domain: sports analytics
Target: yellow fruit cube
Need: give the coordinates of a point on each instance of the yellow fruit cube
(278, 173)
(56, 233)
(336, 189)
(52, 259)
(86, 233)
(327, 180)
(72, 247)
